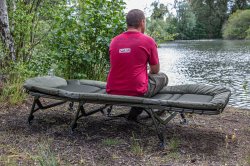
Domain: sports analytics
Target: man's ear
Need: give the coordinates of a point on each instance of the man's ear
(143, 21)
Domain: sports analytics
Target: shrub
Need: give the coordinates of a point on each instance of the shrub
(82, 35)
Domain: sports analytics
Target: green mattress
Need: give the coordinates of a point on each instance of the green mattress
(191, 96)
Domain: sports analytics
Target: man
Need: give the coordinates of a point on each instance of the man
(130, 53)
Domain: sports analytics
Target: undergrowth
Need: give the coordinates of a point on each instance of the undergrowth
(11, 89)
(13, 92)
(46, 156)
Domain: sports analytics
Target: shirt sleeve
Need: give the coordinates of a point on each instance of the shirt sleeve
(153, 57)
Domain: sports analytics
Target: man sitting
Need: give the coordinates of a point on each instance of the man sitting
(130, 53)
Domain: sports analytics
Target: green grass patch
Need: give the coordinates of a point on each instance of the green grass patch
(248, 159)
(173, 155)
(46, 156)
(111, 141)
(174, 144)
(13, 92)
(136, 148)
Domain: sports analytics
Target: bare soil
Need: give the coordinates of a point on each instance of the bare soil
(207, 140)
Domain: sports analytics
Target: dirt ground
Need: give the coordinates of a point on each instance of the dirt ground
(98, 140)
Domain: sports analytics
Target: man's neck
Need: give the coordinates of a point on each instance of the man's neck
(134, 30)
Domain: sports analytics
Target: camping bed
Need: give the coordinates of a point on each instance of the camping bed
(179, 99)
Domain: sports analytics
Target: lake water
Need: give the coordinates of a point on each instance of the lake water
(214, 62)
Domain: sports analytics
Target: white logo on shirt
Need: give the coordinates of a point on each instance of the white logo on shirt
(124, 50)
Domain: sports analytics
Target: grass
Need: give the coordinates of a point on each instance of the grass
(111, 141)
(173, 156)
(248, 159)
(6, 160)
(13, 92)
(136, 148)
(14, 156)
(174, 144)
(46, 155)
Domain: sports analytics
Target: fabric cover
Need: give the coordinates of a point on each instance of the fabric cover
(202, 97)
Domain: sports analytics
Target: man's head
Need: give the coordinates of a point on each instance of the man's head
(136, 19)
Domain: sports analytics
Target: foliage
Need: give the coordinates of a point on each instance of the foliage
(235, 5)
(211, 15)
(161, 30)
(12, 91)
(238, 25)
(30, 24)
(159, 10)
(248, 33)
(82, 35)
(71, 37)
(185, 20)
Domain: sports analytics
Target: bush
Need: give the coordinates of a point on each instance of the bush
(238, 25)
(82, 35)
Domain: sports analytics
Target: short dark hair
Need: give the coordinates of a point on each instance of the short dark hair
(134, 17)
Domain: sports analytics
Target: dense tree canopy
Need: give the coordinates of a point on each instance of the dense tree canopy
(238, 25)
(185, 20)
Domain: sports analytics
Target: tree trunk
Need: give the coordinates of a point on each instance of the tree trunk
(5, 30)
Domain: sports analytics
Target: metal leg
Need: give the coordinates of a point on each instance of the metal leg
(39, 105)
(109, 110)
(31, 116)
(184, 121)
(71, 106)
(159, 133)
(79, 110)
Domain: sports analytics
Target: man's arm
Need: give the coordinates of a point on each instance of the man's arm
(154, 69)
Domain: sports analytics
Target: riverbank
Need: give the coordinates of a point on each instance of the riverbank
(207, 140)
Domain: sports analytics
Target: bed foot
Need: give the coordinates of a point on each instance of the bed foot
(109, 110)
(33, 110)
(71, 106)
(183, 121)
(30, 118)
(73, 127)
(162, 140)
(79, 111)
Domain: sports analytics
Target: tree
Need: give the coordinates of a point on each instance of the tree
(185, 20)
(235, 5)
(159, 10)
(160, 24)
(238, 25)
(5, 31)
(161, 30)
(211, 15)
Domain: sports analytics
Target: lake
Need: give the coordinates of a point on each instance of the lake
(214, 62)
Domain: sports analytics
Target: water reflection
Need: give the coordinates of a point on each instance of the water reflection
(216, 62)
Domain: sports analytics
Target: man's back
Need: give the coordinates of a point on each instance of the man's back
(129, 54)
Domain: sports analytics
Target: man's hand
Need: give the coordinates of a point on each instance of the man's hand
(154, 69)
